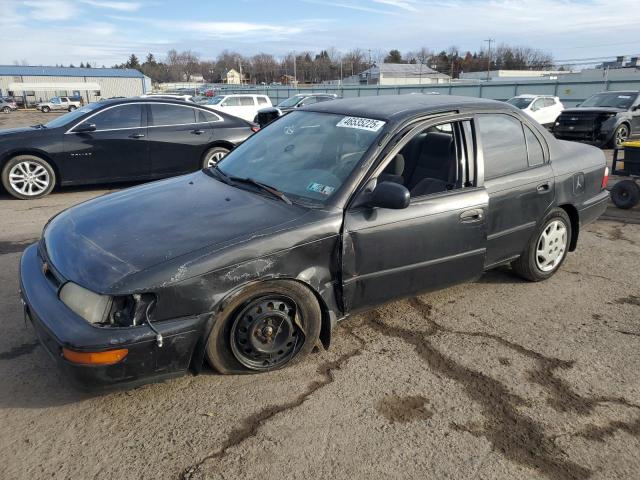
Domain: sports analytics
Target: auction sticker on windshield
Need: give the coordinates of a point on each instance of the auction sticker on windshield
(361, 123)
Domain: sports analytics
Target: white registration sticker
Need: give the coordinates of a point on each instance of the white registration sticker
(361, 123)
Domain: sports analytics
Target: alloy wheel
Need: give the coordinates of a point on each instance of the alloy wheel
(622, 135)
(265, 334)
(29, 178)
(551, 246)
(214, 158)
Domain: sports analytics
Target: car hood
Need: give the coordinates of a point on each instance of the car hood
(17, 131)
(100, 242)
(579, 110)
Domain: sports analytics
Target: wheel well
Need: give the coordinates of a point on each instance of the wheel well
(221, 143)
(572, 212)
(38, 154)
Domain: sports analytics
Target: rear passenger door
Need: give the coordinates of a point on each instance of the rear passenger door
(178, 136)
(519, 181)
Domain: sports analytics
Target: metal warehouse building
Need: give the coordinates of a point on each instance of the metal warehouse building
(35, 84)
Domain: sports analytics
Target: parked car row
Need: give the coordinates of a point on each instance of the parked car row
(328, 211)
(116, 140)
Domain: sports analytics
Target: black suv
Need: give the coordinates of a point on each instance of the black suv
(606, 118)
(269, 114)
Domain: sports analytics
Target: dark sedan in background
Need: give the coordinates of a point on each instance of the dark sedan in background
(604, 119)
(116, 140)
(269, 114)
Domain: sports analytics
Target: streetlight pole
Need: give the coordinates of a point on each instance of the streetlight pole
(489, 40)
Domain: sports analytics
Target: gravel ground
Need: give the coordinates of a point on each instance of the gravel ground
(495, 379)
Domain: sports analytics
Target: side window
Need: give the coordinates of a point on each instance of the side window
(534, 148)
(247, 101)
(309, 101)
(262, 101)
(549, 102)
(166, 114)
(436, 160)
(503, 144)
(122, 116)
(207, 116)
(231, 102)
(538, 104)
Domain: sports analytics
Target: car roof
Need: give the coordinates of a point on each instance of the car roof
(156, 99)
(399, 107)
(241, 95)
(532, 95)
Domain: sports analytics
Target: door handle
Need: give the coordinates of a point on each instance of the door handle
(197, 132)
(136, 135)
(543, 187)
(472, 216)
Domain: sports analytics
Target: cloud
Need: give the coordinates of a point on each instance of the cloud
(50, 10)
(403, 5)
(120, 6)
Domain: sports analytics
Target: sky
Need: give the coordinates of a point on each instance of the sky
(106, 32)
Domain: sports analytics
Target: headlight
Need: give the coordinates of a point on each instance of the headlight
(91, 306)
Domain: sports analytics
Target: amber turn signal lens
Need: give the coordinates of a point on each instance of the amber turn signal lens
(95, 358)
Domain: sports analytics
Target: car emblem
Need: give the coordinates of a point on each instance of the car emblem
(574, 119)
(288, 130)
(571, 127)
(578, 183)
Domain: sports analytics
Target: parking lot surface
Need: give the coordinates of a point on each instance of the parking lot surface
(496, 379)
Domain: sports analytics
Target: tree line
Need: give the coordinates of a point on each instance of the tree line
(330, 64)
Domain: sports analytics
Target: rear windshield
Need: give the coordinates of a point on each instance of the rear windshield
(520, 102)
(290, 102)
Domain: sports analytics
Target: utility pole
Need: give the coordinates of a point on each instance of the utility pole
(369, 75)
(295, 71)
(240, 65)
(489, 40)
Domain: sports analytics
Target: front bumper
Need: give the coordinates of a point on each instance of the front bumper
(57, 326)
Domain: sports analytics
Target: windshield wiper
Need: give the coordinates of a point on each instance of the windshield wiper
(262, 186)
(220, 175)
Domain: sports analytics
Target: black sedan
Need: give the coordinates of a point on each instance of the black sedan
(116, 140)
(330, 210)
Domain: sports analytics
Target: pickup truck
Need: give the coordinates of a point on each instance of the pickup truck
(330, 210)
(58, 103)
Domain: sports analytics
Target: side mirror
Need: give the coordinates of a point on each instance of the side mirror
(389, 195)
(85, 127)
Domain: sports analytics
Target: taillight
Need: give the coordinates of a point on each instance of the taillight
(605, 178)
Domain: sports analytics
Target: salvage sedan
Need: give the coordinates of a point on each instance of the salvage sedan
(116, 140)
(330, 210)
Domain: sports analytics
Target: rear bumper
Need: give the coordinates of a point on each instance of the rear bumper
(57, 326)
(593, 208)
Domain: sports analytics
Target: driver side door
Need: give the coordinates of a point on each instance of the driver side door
(439, 239)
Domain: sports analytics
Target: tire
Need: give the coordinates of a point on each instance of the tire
(46, 109)
(6, 110)
(620, 135)
(213, 156)
(625, 194)
(242, 340)
(72, 108)
(37, 175)
(543, 257)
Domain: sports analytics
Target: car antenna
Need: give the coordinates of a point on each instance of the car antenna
(159, 340)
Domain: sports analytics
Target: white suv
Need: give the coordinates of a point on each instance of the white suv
(544, 109)
(244, 106)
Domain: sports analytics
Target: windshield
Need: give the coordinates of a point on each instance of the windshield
(71, 116)
(615, 100)
(520, 102)
(290, 102)
(215, 100)
(306, 155)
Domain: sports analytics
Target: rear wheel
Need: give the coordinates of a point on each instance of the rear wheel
(46, 109)
(547, 248)
(6, 110)
(266, 327)
(213, 156)
(72, 108)
(27, 177)
(625, 194)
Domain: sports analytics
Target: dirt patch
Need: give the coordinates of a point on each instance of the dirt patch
(630, 300)
(18, 351)
(15, 246)
(616, 234)
(504, 361)
(404, 409)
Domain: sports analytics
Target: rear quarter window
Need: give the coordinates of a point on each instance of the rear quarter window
(534, 148)
(503, 144)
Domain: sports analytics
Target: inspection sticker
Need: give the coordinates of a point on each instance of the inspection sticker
(361, 123)
(321, 189)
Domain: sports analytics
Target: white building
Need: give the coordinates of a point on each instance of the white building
(398, 74)
(42, 83)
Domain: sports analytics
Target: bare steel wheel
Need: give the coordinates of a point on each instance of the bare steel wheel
(267, 326)
(547, 247)
(265, 334)
(27, 177)
(552, 245)
(213, 156)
